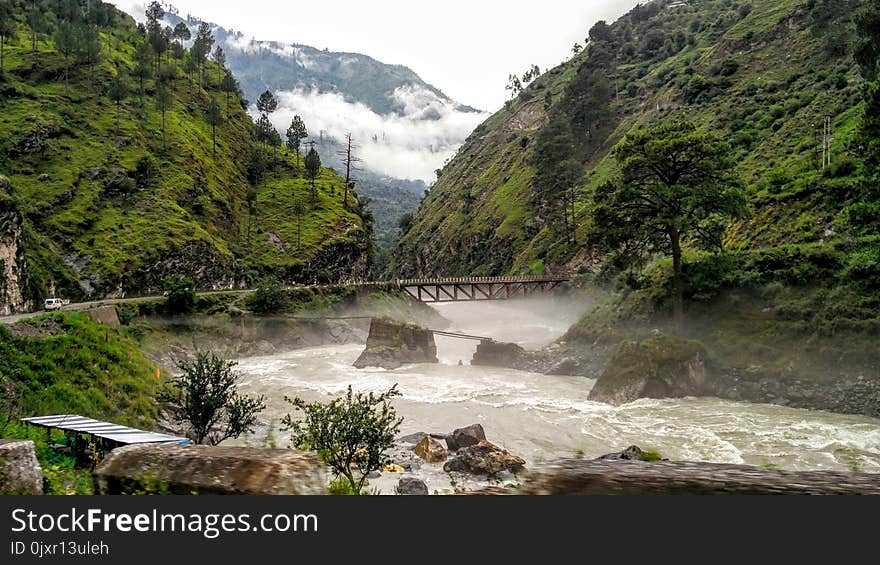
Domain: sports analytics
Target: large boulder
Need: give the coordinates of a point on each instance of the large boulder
(465, 437)
(431, 450)
(391, 345)
(492, 353)
(412, 486)
(181, 469)
(20, 472)
(484, 458)
(659, 367)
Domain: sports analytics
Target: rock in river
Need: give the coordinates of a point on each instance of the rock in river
(391, 345)
(484, 458)
(659, 367)
(431, 450)
(465, 437)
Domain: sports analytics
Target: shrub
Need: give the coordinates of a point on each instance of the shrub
(268, 298)
(351, 433)
(205, 396)
(180, 295)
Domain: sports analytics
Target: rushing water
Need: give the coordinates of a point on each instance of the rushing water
(543, 417)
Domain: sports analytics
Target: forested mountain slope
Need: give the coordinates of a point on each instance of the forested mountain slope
(762, 74)
(111, 180)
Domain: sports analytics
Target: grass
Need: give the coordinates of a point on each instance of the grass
(64, 363)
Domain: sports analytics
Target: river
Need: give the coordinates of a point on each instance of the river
(543, 417)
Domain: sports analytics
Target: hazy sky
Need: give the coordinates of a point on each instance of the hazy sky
(467, 48)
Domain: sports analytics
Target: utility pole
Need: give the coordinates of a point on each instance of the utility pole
(350, 165)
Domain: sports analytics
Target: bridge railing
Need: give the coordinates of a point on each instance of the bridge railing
(482, 280)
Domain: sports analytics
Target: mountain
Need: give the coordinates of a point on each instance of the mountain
(99, 199)
(403, 126)
(762, 74)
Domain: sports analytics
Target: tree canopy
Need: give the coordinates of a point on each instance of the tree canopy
(677, 184)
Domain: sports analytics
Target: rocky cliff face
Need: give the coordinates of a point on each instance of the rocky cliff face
(12, 262)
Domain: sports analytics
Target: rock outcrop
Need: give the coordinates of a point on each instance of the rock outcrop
(12, 262)
(20, 472)
(391, 345)
(603, 477)
(181, 469)
(431, 450)
(465, 437)
(484, 458)
(492, 353)
(104, 315)
(659, 367)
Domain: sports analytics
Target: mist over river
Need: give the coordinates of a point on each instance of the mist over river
(541, 417)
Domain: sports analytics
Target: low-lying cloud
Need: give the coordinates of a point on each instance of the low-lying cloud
(411, 143)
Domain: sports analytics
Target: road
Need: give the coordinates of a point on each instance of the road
(8, 320)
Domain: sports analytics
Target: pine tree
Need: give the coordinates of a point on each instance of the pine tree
(313, 169)
(215, 117)
(219, 58)
(164, 100)
(228, 85)
(67, 43)
(118, 92)
(295, 134)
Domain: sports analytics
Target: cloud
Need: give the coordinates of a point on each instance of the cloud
(410, 143)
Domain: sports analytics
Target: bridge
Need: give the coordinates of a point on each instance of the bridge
(457, 289)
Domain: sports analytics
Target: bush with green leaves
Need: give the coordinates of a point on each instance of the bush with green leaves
(180, 295)
(268, 298)
(205, 397)
(350, 433)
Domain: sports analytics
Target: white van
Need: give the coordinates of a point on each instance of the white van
(55, 304)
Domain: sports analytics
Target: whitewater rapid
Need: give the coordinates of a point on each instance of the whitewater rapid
(542, 417)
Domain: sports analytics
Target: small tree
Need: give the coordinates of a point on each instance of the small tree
(269, 298)
(313, 169)
(118, 92)
(67, 43)
(295, 134)
(205, 396)
(143, 66)
(219, 58)
(215, 117)
(228, 85)
(164, 100)
(351, 433)
(676, 182)
(299, 210)
(180, 295)
(8, 28)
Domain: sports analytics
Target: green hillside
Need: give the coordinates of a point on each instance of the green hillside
(113, 202)
(762, 74)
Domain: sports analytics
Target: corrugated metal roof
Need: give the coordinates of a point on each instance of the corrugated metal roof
(106, 430)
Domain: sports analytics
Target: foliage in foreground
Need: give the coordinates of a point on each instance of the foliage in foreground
(350, 433)
(205, 396)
